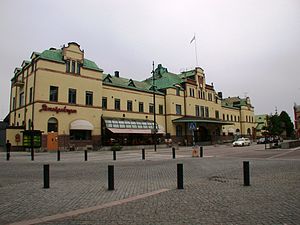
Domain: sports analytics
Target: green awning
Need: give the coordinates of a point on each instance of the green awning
(187, 119)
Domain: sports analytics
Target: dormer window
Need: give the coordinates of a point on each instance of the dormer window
(68, 66)
(73, 66)
(108, 78)
(78, 68)
(131, 83)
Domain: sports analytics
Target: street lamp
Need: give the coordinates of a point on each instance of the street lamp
(154, 113)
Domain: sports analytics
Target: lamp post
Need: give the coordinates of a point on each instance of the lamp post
(154, 113)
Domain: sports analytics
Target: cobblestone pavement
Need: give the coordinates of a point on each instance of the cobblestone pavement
(213, 188)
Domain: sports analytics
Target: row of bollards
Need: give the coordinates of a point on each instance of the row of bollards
(111, 182)
(114, 154)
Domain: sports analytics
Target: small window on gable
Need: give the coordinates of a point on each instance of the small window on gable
(131, 83)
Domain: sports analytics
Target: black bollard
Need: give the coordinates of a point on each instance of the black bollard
(114, 155)
(143, 154)
(201, 152)
(32, 154)
(46, 176)
(58, 155)
(85, 155)
(111, 178)
(173, 153)
(246, 173)
(180, 176)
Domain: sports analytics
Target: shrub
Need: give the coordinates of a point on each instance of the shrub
(116, 147)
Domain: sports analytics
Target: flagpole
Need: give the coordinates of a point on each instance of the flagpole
(196, 50)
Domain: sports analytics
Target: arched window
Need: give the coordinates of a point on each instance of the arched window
(52, 125)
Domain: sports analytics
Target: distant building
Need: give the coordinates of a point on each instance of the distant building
(3, 125)
(72, 101)
(297, 119)
(261, 124)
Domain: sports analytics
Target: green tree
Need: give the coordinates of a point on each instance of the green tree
(274, 125)
(286, 124)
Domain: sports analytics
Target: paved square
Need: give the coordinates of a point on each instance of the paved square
(145, 190)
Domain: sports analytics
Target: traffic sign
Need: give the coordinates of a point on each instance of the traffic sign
(192, 126)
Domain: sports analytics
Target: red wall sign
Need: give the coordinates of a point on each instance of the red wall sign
(57, 109)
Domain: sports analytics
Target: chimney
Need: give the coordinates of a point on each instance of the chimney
(220, 94)
(117, 74)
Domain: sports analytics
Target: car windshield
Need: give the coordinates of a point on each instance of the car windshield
(241, 139)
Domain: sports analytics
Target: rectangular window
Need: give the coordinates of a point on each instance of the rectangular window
(21, 100)
(161, 109)
(151, 108)
(89, 98)
(53, 97)
(129, 106)
(192, 92)
(197, 109)
(178, 91)
(141, 107)
(203, 95)
(68, 66)
(14, 103)
(104, 103)
(78, 68)
(72, 96)
(73, 66)
(202, 111)
(206, 112)
(178, 109)
(30, 95)
(209, 97)
(178, 131)
(117, 104)
(217, 114)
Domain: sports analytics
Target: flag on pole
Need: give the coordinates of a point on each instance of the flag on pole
(193, 39)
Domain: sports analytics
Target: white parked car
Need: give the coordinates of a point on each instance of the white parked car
(241, 142)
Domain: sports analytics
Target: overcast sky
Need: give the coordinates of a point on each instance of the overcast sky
(248, 47)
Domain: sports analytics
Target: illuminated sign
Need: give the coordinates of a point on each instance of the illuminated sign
(57, 109)
(32, 138)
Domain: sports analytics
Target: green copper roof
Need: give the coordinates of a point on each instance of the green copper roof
(91, 65)
(261, 118)
(234, 102)
(194, 119)
(52, 55)
(164, 79)
(127, 83)
(56, 55)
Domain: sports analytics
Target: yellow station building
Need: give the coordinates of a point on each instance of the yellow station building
(74, 103)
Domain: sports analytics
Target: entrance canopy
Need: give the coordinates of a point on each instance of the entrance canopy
(194, 119)
(81, 125)
(132, 126)
(133, 131)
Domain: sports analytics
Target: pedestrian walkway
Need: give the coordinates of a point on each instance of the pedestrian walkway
(146, 190)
